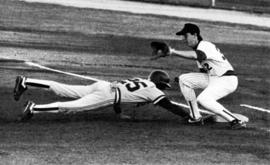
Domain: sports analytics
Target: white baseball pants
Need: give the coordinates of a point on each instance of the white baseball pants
(214, 87)
(87, 97)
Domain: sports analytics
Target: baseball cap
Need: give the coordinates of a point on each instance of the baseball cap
(189, 28)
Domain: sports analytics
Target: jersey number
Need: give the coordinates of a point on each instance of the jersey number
(207, 67)
(133, 84)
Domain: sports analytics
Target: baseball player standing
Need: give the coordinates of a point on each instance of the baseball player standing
(100, 94)
(217, 77)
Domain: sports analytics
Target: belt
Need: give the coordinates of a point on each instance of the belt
(117, 101)
(229, 73)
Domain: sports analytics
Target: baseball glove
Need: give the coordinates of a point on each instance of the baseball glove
(159, 49)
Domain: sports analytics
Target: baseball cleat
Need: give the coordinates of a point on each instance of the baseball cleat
(238, 124)
(19, 88)
(202, 120)
(28, 111)
(196, 121)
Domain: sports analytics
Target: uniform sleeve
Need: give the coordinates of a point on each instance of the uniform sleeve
(201, 56)
(154, 95)
(206, 50)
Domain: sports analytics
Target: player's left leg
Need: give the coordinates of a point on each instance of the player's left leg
(188, 83)
(102, 97)
(60, 89)
(219, 87)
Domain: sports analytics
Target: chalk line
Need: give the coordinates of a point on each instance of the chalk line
(63, 72)
(256, 108)
(217, 117)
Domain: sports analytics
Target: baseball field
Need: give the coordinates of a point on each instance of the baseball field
(112, 45)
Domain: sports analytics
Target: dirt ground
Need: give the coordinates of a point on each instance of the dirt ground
(91, 42)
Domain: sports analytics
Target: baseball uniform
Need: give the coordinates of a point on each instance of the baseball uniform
(98, 94)
(218, 81)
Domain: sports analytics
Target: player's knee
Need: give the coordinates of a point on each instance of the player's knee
(182, 79)
(201, 99)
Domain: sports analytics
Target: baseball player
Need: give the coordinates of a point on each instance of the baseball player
(217, 76)
(100, 94)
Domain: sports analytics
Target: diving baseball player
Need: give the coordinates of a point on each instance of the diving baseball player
(100, 94)
(217, 76)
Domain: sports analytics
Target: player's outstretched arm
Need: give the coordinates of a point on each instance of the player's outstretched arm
(177, 110)
(161, 49)
(184, 54)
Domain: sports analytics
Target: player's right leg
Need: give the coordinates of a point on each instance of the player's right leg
(188, 83)
(220, 87)
(60, 89)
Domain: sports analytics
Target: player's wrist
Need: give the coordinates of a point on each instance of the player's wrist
(172, 51)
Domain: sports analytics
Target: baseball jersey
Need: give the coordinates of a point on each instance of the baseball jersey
(139, 90)
(215, 63)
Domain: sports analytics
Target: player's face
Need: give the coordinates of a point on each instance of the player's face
(191, 39)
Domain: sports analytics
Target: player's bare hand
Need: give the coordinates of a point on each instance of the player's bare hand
(124, 117)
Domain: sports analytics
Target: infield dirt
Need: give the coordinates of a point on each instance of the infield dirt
(112, 46)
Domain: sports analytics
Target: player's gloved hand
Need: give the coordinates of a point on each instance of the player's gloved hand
(160, 49)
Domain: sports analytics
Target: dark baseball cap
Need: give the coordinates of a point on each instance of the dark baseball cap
(189, 28)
